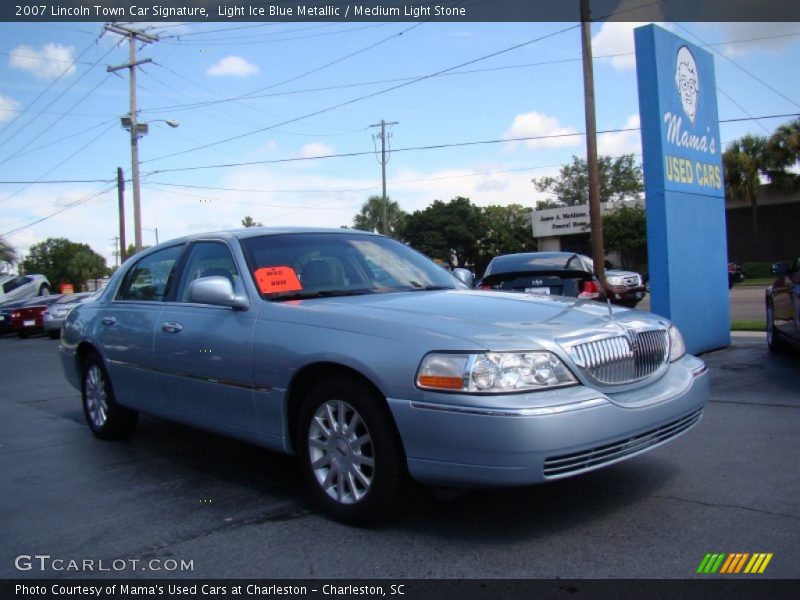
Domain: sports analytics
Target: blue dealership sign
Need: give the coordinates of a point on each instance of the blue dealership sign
(684, 187)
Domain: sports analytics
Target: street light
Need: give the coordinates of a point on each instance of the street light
(139, 129)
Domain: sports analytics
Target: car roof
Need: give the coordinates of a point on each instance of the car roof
(249, 232)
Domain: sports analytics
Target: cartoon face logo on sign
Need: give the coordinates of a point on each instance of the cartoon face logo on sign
(687, 81)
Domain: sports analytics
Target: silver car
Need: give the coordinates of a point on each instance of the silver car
(373, 365)
(57, 312)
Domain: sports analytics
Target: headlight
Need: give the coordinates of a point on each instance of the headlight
(615, 280)
(676, 346)
(493, 372)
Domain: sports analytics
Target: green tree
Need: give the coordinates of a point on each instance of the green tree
(744, 162)
(447, 230)
(63, 261)
(620, 179)
(370, 217)
(7, 254)
(783, 153)
(506, 230)
(248, 221)
(131, 250)
(625, 230)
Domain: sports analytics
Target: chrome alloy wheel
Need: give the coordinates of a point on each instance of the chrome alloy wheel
(96, 396)
(341, 452)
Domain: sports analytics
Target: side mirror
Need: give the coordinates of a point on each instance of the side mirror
(465, 276)
(780, 268)
(216, 290)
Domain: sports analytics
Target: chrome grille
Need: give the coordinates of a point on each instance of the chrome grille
(631, 280)
(569, 464)
(623, 359)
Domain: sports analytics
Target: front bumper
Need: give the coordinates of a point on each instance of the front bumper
(531, 438)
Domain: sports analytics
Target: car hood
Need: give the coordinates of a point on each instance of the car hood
(465, 318)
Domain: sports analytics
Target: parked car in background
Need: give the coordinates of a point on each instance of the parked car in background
(5, 316)
(560, 274)
(54, 316)
(783, 306)
(372, 364)
(735, 274)
(28, 318)
(20, 287)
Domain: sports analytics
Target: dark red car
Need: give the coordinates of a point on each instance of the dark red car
(783, 306)
(27, 319)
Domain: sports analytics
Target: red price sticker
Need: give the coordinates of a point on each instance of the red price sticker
(275, 280)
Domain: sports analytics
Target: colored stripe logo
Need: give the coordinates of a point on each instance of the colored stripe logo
(737, 562)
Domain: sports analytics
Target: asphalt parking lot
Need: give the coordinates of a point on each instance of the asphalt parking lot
(732, 484)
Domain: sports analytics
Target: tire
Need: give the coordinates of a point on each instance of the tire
(24, 334)
(54, 334)
(44, 290)
(107, 419)
(360, 471)
(774, 341)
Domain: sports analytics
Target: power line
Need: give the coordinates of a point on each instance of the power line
(741, 68)
(47, 89)
(69, 206)
(56, 181)
(49, 126)
(432, 147)
(364, 97)
(71, 156)
(61, 139)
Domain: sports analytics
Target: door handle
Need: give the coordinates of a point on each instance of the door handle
(171, 327)
(109, 320)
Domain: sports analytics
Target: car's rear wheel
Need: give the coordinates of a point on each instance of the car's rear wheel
(774, 341)
(107, 419)
(350, 452)
(54, 334)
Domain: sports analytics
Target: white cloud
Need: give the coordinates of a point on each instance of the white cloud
(315, 149)
(624, 142)
(48, 63)
(8, 106)
(233, 66)
(535, 124)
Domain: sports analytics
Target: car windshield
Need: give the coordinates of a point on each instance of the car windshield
(313, 265)
(540, 262)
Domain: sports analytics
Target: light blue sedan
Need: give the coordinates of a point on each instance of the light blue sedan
(372, 364)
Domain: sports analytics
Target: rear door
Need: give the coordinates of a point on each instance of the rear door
(126, 328)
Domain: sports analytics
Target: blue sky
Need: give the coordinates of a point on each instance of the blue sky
(532, 90)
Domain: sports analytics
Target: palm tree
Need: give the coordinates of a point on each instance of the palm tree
(744, 162)
(370, 218)
(7, 254)
(783, 152)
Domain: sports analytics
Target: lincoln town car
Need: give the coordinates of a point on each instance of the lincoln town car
(374, 366)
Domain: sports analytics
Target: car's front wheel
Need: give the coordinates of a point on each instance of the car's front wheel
(350, 452)
(107, 419)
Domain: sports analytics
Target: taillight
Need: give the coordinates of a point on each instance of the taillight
(15, 315)
(486, 286)
(589, 290)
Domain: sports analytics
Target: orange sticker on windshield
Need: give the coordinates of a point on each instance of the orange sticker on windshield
(275, 280)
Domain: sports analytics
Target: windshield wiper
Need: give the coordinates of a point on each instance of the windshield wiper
(430, 288)
(311, 294)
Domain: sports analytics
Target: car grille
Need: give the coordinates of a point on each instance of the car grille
(631, 280)
(568, 464)
(623, 359)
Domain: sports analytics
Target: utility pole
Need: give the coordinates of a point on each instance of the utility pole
(136, 129)
(121, 201)
(116, 250)
(595, 218)
(383, 161)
